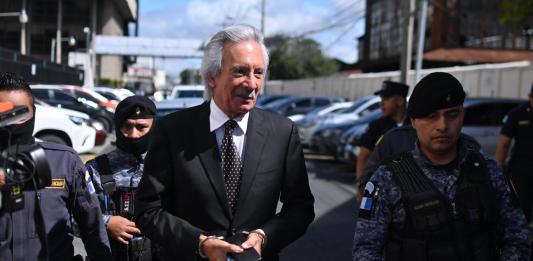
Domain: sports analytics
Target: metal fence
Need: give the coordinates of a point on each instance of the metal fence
(36, 70)
(511, 80)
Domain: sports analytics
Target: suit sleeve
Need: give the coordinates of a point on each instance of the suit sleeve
(298, 202)
(176, 236)
(87, 213)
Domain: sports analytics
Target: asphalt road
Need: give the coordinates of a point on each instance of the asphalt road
(330, 235)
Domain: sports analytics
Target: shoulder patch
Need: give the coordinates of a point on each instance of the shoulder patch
(367, 202)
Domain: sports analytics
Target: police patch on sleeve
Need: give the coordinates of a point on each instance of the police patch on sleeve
(367, 202)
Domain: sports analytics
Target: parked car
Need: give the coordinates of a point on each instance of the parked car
(325, 140)
(65, 127)
(483, 120)
(265, 99)
(117, 94)
(187, 91)
(312, 115)
(54, 96)
(299, 104)
(90, 95)
(361, 107)
(165, 107)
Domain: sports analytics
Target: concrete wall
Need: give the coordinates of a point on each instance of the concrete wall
(512, 80)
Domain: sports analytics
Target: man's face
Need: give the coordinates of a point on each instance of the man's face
(390, 104)
(236, 88)
(18, 98)
(136, 128)
(439, 131)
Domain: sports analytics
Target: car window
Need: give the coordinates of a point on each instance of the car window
(369, 109)
(303, 103)
(63, 97)
(321, 102)
(86, 96)
(41, 94)
(490, 114)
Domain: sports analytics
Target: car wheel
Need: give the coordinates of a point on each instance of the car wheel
(53, 138)
(105, 123)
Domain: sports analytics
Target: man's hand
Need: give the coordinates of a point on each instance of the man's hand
(216, 249)
(255, 241)
(122, 229)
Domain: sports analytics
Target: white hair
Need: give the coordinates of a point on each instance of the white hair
(213, 50)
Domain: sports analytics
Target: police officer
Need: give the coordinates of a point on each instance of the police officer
(518, 125)
(41, 230)
(441, 201)
(117, 174)
(393, 104)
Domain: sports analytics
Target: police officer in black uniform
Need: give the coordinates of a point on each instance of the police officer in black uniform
(518, 125)
(393, 104)
(116, 176)
(443, 200)
(42, 229)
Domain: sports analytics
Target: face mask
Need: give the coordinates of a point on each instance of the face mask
(21, 134)
(135, 146)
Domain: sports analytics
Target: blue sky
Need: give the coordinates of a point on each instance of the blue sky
(200, 19)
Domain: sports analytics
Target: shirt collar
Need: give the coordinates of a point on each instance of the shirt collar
(217, 118)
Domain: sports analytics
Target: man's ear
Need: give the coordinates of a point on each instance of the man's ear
(211, 82)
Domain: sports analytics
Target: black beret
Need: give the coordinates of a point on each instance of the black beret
(134, 107)
(390, 88)
(434, 92)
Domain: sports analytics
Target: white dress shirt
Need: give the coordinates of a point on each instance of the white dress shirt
(217, 118)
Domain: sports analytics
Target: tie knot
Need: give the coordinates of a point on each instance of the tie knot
(230, 125)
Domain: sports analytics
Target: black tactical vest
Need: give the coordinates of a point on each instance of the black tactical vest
(436, 229)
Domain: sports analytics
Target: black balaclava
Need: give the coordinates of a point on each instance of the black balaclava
(133, 107)
(21, 134)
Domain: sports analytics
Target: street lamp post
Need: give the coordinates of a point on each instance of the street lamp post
(88, 64)
(71, 42)
(23, 19)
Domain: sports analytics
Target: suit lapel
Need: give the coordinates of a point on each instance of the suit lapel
(207, 149)
(255, 142)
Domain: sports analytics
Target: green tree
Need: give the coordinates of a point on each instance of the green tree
(514, 13)
(294, 58)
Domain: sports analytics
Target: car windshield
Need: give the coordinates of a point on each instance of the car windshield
(189, 93)
(357, 103)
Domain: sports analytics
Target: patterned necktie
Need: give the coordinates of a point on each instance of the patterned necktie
(231, 164)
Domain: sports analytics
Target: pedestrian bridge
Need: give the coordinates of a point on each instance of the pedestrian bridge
(149, 47)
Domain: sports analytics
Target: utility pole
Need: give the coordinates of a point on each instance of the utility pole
(421, 38)
(263, 4)
(58, 31)
(23, 20)
(406, 52)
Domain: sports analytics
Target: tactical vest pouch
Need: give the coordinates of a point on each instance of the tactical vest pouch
(428, 212)
(441, 252)
(407, 249)
(125, 198)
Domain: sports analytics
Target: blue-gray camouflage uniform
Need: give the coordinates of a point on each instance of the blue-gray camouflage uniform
(70, 192)
(371, 234)
(126, 169)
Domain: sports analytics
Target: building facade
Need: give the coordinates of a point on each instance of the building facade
(53, 23)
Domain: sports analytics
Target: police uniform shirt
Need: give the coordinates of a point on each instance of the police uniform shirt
(376, 129)
(126, 169)
(69, 191)
(518, 125)
(387, 209)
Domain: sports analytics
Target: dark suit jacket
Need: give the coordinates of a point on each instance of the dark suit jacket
(182, 195)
